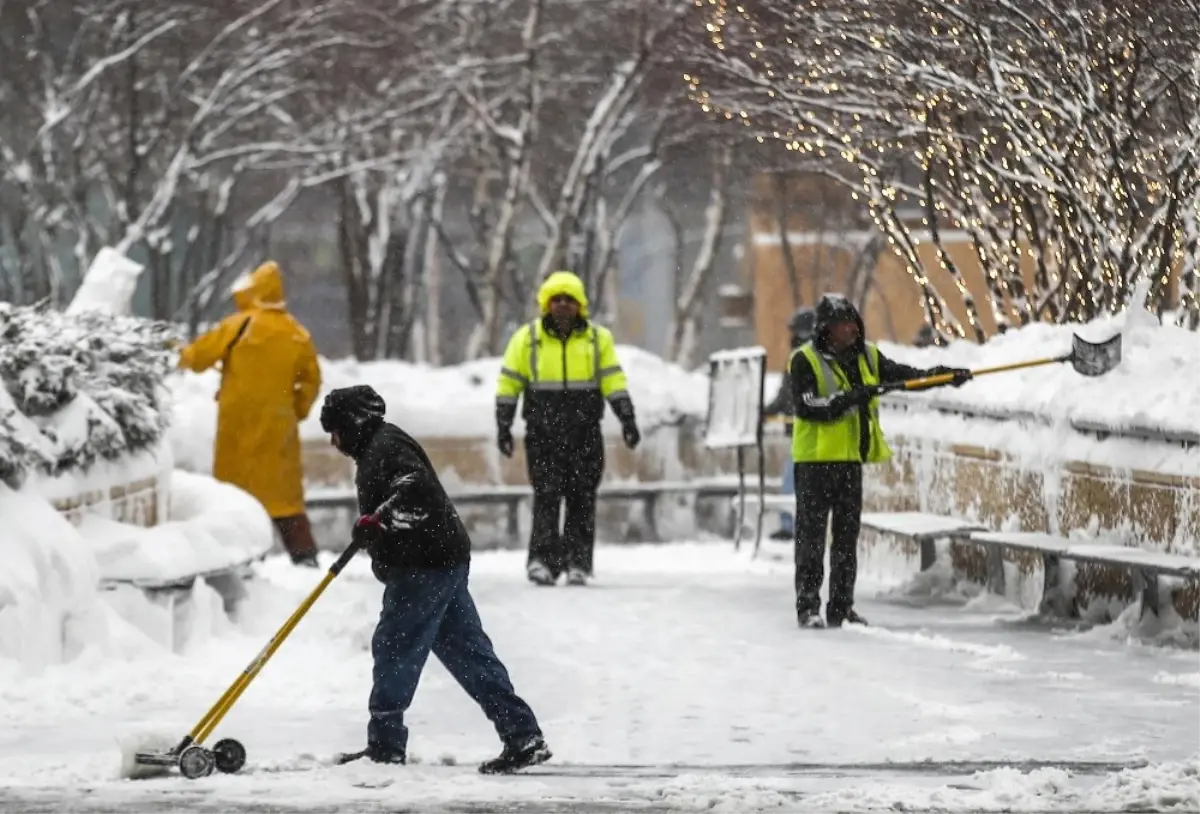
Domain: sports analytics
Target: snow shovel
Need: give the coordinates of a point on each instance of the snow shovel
(1088, 359)
(228, 755)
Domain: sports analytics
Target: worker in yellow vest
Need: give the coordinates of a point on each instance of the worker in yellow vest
(836, 430)
(566, 368)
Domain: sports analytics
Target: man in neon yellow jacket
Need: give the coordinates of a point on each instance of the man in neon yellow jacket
(836, 430)
(565, 366)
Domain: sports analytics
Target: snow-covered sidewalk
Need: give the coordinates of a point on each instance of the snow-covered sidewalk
(678, 681)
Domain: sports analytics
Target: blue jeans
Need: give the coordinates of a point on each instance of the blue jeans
(427, 609)
(786, 521)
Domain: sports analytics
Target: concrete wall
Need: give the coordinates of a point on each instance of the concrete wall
(1144, 508)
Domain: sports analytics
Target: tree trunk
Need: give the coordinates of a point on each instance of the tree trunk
(685, 322)
(433, 277)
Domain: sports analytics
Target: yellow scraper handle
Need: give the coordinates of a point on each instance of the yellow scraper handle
(946, 378)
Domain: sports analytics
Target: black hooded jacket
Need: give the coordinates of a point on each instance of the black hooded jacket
(806, 403)
(420, 528)
(800, 330)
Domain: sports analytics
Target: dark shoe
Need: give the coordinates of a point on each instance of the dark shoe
(518, 755)
(539, 574)
(782, 534)
(375, 754)
(809, 619)
(850, 617)
(308, 560)
(577, 576)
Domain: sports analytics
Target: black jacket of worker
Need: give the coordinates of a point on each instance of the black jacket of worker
(800, 330)
(419, 527)
(834, 486)
(563, 374)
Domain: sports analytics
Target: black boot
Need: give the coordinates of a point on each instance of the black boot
(850, 617)
(517, 755)
(308, 560)
(375, 754)
(809, 619)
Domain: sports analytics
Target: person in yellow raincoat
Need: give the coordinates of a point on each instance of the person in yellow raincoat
(270, 379)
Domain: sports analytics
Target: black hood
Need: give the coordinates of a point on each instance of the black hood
(833, 308)
(354, 413)
(801, 325)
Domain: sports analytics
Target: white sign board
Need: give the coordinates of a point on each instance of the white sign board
(735, 397)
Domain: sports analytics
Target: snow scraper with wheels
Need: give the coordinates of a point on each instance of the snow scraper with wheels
(1088, 359)
(228, 755)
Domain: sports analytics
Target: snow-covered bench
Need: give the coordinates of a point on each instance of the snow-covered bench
(213, 533)
(648, 493)
(1144, 567)
(168, 591)
(919, 527)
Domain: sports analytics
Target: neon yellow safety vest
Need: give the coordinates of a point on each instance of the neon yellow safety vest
(578, 373)
(838, 440)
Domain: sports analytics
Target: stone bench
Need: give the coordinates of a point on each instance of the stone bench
(1144, 567)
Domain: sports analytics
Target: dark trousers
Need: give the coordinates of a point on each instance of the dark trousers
(564, 471)
(823, 490)
(297, 536)
(430, 609)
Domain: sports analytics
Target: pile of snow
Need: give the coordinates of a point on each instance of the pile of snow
(49, 605)
(78, 389)
(109, 284)
(1144, 392)
(457, 400)
(210, 526)
(1044, 416)
(52, 608)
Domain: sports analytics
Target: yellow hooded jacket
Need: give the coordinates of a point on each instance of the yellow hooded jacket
(565, 383)
(269, 380)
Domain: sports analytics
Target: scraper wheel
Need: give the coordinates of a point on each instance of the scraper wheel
(230, 755)
(196, 762)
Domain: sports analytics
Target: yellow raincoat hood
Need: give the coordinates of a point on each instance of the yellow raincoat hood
(562, 282)
(261, 288)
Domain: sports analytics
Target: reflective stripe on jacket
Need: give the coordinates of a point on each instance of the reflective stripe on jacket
(563, 382)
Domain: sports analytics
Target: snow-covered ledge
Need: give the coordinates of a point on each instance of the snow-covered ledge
(135, 490)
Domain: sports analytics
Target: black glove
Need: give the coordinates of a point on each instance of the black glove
(504, 440)
(842, 402)
(961, 374)
(506, 411)
(629, 429)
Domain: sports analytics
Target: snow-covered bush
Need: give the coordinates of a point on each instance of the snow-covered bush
(78, 388)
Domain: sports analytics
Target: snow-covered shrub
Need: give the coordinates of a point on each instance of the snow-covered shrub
(89, 384)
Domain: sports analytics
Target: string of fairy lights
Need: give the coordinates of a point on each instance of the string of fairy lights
(1050, 135)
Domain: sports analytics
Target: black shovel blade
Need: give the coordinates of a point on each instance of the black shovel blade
(1095, 358)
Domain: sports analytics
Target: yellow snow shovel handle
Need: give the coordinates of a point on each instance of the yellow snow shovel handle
(213, 717)
(946, 378)
(209, 722)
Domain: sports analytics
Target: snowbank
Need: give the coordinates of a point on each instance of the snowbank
(457, 400)
(51, 606)
(1149, 390)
